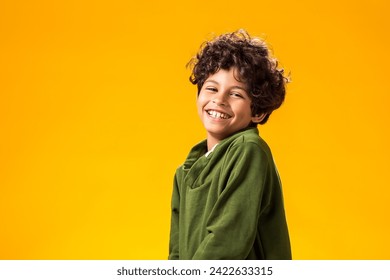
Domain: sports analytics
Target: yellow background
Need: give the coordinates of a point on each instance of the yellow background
(96, 113)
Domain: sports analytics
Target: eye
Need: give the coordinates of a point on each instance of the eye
(213, 89)
(236, 94)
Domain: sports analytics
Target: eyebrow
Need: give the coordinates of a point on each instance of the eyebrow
(235, 87)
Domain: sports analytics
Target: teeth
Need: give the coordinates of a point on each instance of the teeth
(219, 115)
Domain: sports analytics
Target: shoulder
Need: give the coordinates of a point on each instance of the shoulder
(250, 140)
(247, 150)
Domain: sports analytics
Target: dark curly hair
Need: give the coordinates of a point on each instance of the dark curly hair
(256, 67)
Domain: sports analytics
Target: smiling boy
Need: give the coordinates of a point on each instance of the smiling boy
(227, 201)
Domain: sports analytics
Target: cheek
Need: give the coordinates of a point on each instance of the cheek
(199, 104)
(244, 110)
(201, 100)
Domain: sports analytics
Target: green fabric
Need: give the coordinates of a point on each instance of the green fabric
(229, 205)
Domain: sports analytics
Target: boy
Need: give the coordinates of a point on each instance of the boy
(227, 200)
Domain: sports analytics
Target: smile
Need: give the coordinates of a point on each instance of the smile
(217, 115)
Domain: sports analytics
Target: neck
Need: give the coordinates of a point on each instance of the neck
(211, 142)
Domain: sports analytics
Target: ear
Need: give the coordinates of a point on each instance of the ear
(258, 118)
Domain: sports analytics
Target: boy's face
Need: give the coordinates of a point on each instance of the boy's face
(224, 106)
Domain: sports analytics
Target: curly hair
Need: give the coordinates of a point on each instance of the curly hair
(256, 68)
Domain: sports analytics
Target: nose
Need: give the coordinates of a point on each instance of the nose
(219, 99)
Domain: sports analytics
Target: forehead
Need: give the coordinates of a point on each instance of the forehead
(227, 77)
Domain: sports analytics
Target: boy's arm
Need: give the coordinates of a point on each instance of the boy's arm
(174, 234)
(232, 225)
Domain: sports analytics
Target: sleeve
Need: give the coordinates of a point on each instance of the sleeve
(232, 224)
(174, 234)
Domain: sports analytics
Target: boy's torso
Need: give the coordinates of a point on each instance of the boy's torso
(202, 181)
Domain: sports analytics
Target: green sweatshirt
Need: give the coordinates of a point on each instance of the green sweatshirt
(229, 204)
